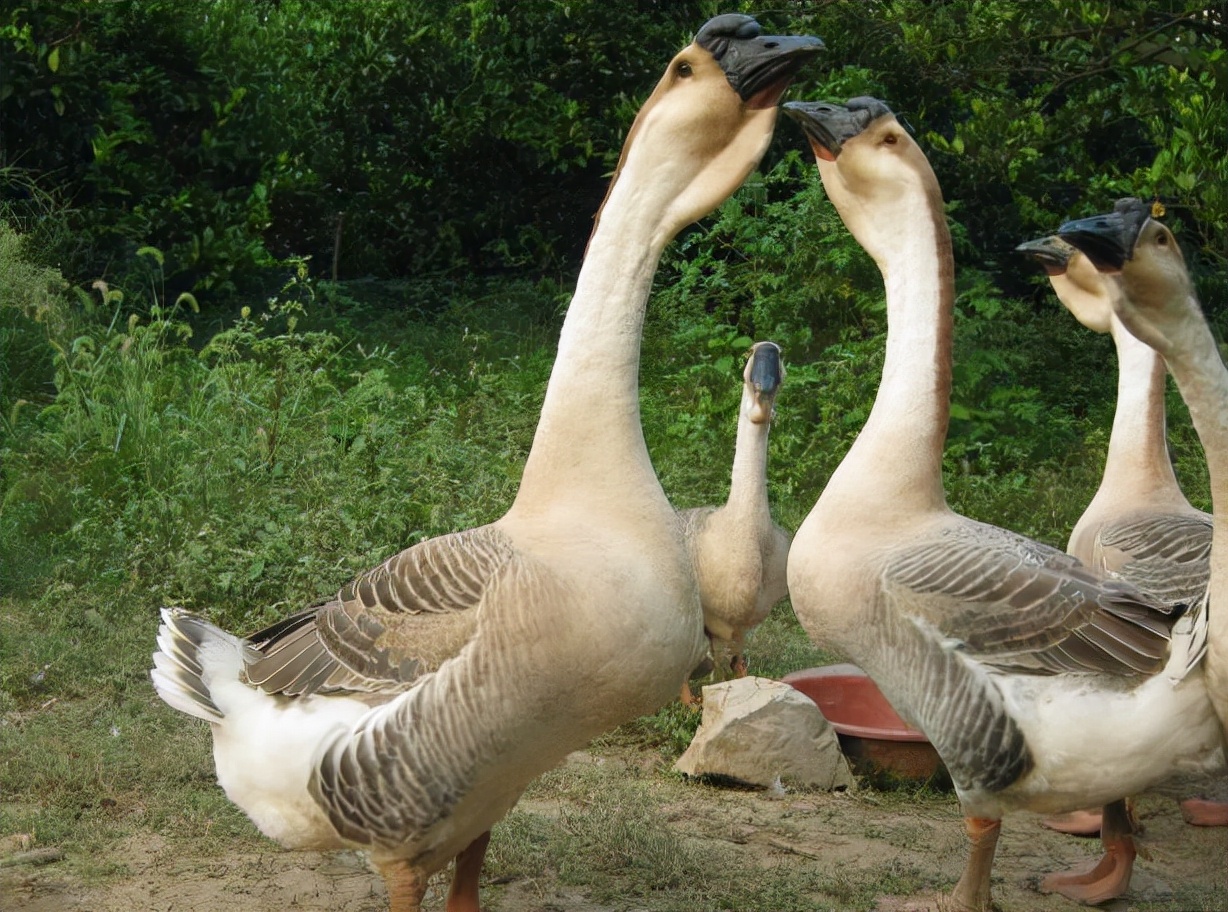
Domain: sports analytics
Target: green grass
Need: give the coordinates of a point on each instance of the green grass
(617, 838)
(86, 762)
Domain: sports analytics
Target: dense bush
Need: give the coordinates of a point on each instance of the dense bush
(397, 139)
(377, 137)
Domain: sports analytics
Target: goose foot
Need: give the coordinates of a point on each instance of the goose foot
(971, 894)
(1205, 812)
(1099, 882)
(406, 885)
(1076, 823)
(1109, 877)
(739, 665)
(463, 894)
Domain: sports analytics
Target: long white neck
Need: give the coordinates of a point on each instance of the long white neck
(1138, 463)
(748, 485)
(589, 436)
(897, 457)
(1202, 378)
(1199, 370)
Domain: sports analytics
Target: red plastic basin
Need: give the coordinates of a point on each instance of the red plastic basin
(877, 742)
(852, 703)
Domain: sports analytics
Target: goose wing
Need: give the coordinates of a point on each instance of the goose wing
(394, 623)
(1166, 555)
(1018, 605)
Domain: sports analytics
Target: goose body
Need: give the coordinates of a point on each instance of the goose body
(1152, 294)
(1024, 668)
(406, 716)
(739, 553)
(1139, 525)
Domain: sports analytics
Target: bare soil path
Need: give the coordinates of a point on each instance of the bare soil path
(845, 850)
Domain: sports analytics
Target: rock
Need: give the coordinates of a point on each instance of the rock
(757, 730)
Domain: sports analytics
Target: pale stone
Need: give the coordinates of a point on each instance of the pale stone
(760, 732)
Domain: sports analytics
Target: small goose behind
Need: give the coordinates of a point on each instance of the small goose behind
(740, 554)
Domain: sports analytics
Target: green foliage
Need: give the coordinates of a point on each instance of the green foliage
(374, 137)
(118, 109)
(264, 466)
(387, 138)
(29, 296)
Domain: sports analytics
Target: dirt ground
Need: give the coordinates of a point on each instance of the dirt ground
(853, 835)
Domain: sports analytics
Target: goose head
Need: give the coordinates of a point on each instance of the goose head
(761, 382)
(1143, 263)
(873, 171)
(710, 118)
(1075, 280)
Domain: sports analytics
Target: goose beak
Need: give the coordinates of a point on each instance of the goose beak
(828, 126)
(1108, 240)
(759, 67)
(763, 375)
(1051, 252)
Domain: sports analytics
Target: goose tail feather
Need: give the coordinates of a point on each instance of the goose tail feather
(192, 653)
(1189, 642)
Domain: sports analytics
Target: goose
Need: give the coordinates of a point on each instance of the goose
(739, 553)
(406, 716)
(1043, 686)
(1139, 524)
(1152, 294)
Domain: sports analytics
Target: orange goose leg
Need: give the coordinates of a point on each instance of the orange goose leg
(406, 885)
(688, 697)
(1110, 876)
(737, 659)
(971, 894)
(704, 668)
(463, 895)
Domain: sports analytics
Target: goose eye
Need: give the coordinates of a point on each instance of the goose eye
(1162, 240)
(890, 139)
(684, 70)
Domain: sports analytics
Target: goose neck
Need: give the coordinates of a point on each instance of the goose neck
(1137, 459)
(589, 434)
(901, 444)
(1198, 368)
(1196, 365)
(748, 484)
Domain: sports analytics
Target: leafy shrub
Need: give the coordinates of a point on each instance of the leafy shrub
(390, 139)
(268, 464)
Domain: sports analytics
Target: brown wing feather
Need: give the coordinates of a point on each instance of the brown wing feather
(1165, 555)
(1016, 604)
(388, 627)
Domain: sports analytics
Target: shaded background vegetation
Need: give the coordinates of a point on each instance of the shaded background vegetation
(280, 280)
